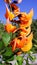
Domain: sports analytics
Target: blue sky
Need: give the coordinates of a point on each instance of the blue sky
(25, 6)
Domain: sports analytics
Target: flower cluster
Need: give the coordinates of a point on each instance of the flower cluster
(24, 39)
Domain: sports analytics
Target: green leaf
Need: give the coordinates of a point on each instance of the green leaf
(27, 63)
(1, 64)
(8, 51)
(30, 64)
(32, 58)
(19, 60)
(16, 63)
(8, 54)
(10, 58)
(1, 45)
(6, 38)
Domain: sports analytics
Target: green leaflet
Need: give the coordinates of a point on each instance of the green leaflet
(34, 30)
(8, 51)
(8, 54)
(16, 63)
(32, 57)
(19, 60)
(1, 45)
(6, 38)
(27, 63)
(1, 64)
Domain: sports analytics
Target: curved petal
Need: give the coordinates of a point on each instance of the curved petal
(30, 14)
(7, 1)
(9, 14)
(26, 25)
(30, 37)
(27, 47)
(9, 27)
(22, 33)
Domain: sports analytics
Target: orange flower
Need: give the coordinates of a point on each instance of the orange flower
(26, 19)
(20, 43)
(28, 30)
(27, 47)
(18, 53)
(28, 44)
(30, 14)
(30, 37)
(17, 43)
(9, 14)
(9, 27)
(22, 29)
(7, 1)
(15, 9)
(24, 43)
(27, 24)
(22, 33)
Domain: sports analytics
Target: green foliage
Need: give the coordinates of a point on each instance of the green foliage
(32, 57)
(1, 29)
(34, 29)
(1, 45)
(6, 38)
(1, 64)
(19, 60)
(16, 63)
(27, 63)
(8, 51)
(8, 54)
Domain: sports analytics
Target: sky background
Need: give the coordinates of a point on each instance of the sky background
(25, 6)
